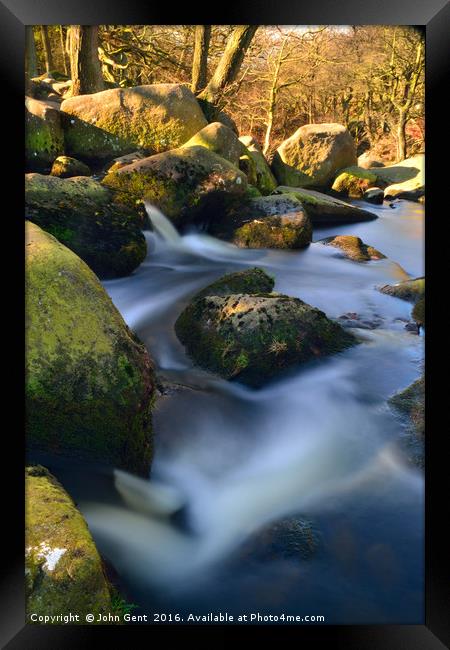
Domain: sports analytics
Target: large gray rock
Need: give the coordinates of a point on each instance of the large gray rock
(44, 137)
(118, 121)
(324, 209)
(313, 154)
(266, 222)
(404, 180)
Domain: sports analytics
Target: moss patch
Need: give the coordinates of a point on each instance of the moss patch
(411, 403)
(354, 181)
(249, 281)
(64, 571)
(89, 381)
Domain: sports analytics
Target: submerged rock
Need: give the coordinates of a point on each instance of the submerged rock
(313, 154)
(186, 184)
(265, 180)
(118, 121)
(411, 403)
(44, 137)
(353, 182)
(266, 222)
(353, 248)
(64, 572)
(324, 209)
(85, 216)
(254, 337)
(293, 538)
(89, 380)
(66, 167)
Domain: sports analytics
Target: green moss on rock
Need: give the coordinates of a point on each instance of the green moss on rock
(411, 403)
(265, 180)
(249, 281)
(353, 248)
(87, 218)
(186, 184)
(353, 182)
(411, 290)
(118, 121)
(254, 337)
(64, 572)
(418, 312)
(89, 380)
(66, 167)
(44, 137)
(324, 209)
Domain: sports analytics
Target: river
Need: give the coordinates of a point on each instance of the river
(319, 442)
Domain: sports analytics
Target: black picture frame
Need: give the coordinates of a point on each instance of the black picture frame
(434, 17)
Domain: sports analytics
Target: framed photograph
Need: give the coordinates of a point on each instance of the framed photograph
(223, 301)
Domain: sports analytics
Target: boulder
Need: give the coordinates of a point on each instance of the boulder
(324, 209)
(411, 403)
(404, 180)
(118, 121)
(253, 337)
(374, 195)
(253, 280)
(265, 180)
(313, 154)
(222, 140)
(353, 182)
(294, 538)
(365, 161)
(418, 312)
(411, 290)
(122, 161)
(44, 137)
(66, 167)
(63, 569)
(266, 222)
(186, 184)
(353, 248)
(84, 216)
(89, 380)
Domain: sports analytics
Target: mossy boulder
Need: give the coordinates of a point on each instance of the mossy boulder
(411, 403)
(411, 290)
(44, 137)
(64, 572)
(353, 248)
(253, 337)
(323, 209)
(267, 222)
(118, 121)
(253, 280)
(85, 217)
(89, 380)
(265, 180)
(66, 167)
(221, 139)
(353, 182)
(186, 184)
(418, 312)
(313, 154)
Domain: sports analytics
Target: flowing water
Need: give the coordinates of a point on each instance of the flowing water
(319, 442)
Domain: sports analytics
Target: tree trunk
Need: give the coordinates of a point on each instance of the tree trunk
(85, 65)
(30, 50)
(63, 49)
(47, 49)
(200, 60)
(230, 63)
(401, 136)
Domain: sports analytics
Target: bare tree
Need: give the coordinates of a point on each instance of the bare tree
(47, 49)
(30, 51)
(200, 59)
(85, 65)
(229, 64)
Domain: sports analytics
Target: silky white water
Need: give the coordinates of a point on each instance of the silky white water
(320, 441)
